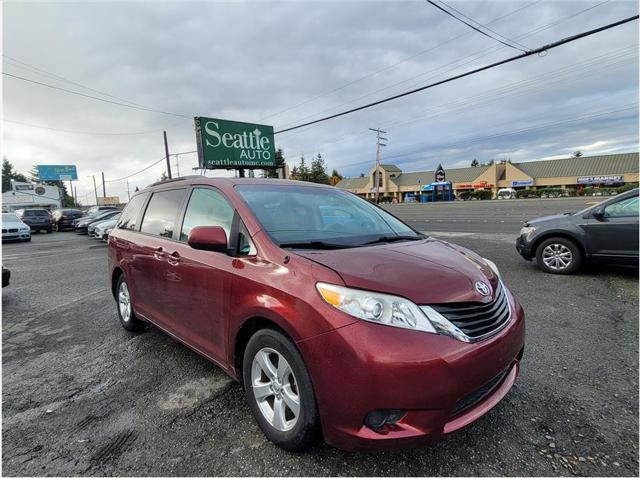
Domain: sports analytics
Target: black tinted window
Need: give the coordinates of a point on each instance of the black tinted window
(207, 207)
(160, 216)
(36, 213)
(131, 212)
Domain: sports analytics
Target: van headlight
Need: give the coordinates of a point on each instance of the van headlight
(527, 232)
(375, 307)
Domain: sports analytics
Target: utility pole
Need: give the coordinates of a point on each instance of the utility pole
(104, 189)
(178, 164)
(95, 188)
(379, 143)
(166, 153)
(128, 193)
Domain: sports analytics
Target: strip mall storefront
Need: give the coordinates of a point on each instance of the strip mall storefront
(571, 173)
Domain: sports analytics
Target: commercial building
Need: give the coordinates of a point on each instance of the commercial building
(606, 170)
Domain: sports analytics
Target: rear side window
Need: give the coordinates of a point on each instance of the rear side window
(160, 216)
(207, 207)
(131, 212)
(625, 208)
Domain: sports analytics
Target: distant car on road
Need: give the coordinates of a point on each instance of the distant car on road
(63, 218)
(13, 229)
(83, 224)
(6, 276)
(506, 193)
(606, 232)
(37, 219)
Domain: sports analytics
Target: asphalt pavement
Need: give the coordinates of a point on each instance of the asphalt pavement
(83, 396)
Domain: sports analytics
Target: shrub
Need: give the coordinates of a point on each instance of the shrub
(482, 194)
(465, 195)
(551, 192)
(527, 193)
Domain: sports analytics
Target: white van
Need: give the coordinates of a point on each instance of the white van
(506, 193)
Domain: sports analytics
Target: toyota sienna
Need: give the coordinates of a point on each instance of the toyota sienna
(335, 316)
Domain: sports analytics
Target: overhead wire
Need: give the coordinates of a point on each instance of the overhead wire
(510, 44)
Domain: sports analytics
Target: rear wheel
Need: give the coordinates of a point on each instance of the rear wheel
(558, 255)
(279, 391)
(127, 317)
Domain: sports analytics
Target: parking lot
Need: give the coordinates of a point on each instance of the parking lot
(83, 396)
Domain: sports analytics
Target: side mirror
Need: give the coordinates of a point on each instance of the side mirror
(598, 213)
(208, 238)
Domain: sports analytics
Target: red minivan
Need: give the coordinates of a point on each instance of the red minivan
(334, 315)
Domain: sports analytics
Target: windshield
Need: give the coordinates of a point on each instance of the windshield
(295, 215)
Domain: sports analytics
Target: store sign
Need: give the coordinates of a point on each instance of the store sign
(108, 201)
(527, 182)
(49, 172)
(226, 144)
(483, 184)
(440, 176)
(600, 179)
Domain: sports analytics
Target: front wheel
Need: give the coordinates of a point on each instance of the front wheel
(127, 317)
(279, 390)
(558, 255)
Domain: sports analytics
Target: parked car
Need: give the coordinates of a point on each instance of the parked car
(13, 229)
(606, 232)
(82, 226)
(372, 332)
(97, 210)
(6, 276)
(98, 230)
(63, 218)
(37, 219)
(506, 193)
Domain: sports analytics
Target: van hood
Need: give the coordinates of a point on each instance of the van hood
(426, 272)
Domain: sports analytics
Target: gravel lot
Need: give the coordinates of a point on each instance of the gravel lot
(83, 396)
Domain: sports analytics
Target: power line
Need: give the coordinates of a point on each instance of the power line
(472, 26)
(541, 49)
(94, 97)
(472, 58)
(27, 66)
(97, 133)
(435, 47)
(137, 172)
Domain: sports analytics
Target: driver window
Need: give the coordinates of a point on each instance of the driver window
(207, 207)
(625, 208)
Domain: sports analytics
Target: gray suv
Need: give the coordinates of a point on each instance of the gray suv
(606, 232)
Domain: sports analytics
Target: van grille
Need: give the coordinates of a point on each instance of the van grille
(477, 319)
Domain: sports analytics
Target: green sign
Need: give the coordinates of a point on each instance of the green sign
(226, 144)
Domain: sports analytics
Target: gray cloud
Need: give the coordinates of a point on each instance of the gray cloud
(247, 61)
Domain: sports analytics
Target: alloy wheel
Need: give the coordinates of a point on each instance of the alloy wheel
(124, 302)
(275, 389)
(557, 256)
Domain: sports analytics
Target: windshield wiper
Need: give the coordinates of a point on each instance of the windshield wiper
(394, 239)
(315, 245)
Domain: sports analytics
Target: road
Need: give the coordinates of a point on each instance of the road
(504, 216)
(83, 396)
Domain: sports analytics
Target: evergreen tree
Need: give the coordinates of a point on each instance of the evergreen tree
(303, 170)
(164, 176)
(8, 173)
(475, 163)
(294, 174)
(318, 171)
(577, 154)
(273, 172)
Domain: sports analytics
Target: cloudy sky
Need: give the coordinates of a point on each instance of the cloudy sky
(284, 63)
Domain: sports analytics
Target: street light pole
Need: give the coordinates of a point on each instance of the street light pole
(95, 188)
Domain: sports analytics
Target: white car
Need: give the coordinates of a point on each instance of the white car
(100, 231)
(13, 229)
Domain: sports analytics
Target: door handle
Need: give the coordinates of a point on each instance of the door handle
(174, 258)
(159, 253)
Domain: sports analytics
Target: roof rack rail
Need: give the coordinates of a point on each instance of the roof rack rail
(172, 180)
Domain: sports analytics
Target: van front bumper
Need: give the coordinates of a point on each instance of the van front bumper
(438, 384)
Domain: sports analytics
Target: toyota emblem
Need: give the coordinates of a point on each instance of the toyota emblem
(482, 288)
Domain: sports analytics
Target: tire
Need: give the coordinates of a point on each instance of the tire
(127, 317)
(556, 251)
(293, 432)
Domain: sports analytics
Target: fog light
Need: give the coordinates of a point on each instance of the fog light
(378, 419)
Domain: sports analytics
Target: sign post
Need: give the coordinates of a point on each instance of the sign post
(226, 144)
